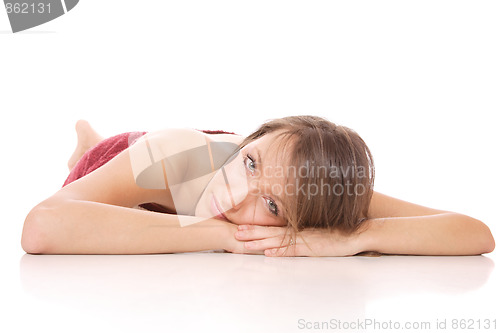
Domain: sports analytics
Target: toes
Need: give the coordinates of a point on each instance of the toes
(87, 136)
(82, 128)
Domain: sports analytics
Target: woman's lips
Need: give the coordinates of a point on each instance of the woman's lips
(216, 210)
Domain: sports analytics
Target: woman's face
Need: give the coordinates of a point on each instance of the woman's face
(249, 188)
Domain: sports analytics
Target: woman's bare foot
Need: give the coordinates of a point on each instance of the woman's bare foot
(87, 138)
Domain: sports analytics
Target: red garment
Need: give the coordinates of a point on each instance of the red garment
(101, 153)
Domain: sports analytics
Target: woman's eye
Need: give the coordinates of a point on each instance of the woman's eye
(273, 207)
(249, 163)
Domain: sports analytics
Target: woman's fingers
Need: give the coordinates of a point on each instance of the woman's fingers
(254, 232)
(272, 241)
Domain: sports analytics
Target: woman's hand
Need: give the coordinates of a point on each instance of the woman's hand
(310, 242)
(234, 245)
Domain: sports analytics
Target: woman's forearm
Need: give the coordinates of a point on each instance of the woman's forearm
(85, 227)
(440, 234)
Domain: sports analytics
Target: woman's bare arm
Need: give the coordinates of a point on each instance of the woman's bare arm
(438, 234)
(94, 215)
(86, 227)
(400, 227)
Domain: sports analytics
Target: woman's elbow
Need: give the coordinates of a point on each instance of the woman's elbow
(490, 242)
(485, 236)
(478, 237)
(33, 239)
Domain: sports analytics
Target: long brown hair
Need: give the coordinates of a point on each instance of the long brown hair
(337, 164)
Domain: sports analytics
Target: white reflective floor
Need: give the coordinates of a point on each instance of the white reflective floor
(198, 292)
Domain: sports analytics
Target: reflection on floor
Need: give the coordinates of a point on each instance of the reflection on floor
(192, 292)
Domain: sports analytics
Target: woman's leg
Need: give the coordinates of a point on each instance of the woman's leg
(87, 138)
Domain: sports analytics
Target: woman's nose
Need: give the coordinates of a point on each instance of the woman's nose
(244, 211)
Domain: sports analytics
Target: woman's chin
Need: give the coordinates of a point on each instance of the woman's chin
(222, 218)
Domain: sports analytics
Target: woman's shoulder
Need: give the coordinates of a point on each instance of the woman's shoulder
(232, 138)
(176, 135)
(187, 138)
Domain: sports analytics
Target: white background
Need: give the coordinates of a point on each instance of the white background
(418, 80)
